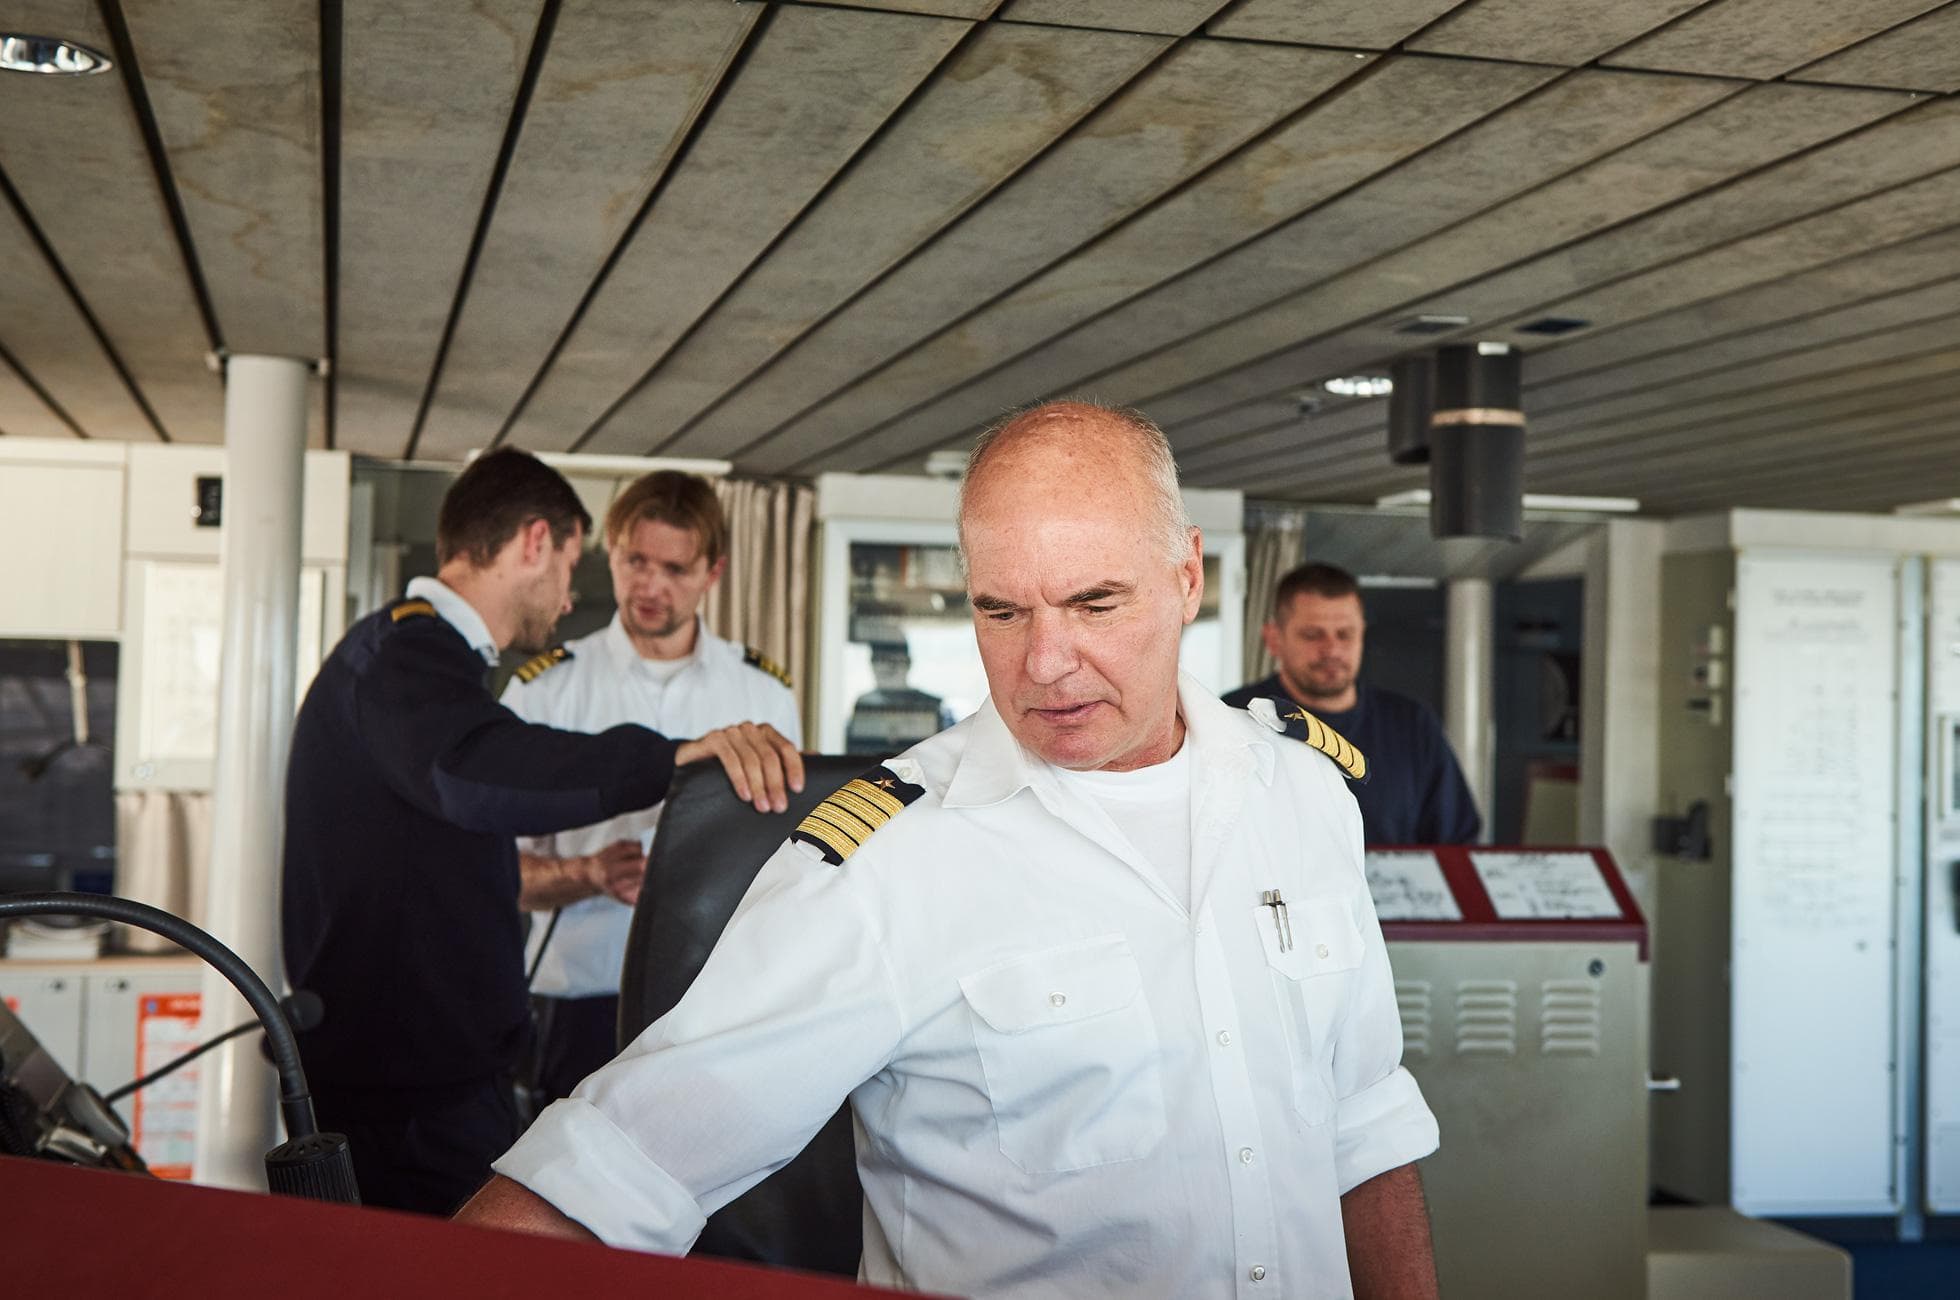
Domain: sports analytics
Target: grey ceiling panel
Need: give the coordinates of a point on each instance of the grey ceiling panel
(1651, 171)
(1163, 17)
(1001, 99)
(1759, 439)
(1873, 316)
(1920, 55)
(1683, 413)
(1546, 31)
(237, 101)
(1815, 299)
(74, 151)
(941, 8)
(1355, 467)
(1561, 127)
(416, 158)
(1374, 26)
(22, 412)
(1382, 118)
(1856, 163)
(1195, 106)
(602, 127)
(818, 83)
(1764, 38)
(41, 328)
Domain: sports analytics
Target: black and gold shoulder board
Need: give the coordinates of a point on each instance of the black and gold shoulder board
(841, 824)
(532, 669)
(1302, 725)
(754, 658)
(412, 609)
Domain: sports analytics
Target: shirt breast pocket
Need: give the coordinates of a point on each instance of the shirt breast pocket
(1313, 951)
(1069, 1049)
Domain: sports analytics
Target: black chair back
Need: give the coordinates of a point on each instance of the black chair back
(710, 845)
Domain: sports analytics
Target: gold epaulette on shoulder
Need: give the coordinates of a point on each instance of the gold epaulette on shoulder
(754, 658)
(412, 609)
(1302, 725)
(839, 826)
(532, 669)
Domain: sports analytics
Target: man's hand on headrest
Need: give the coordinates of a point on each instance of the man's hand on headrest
(762, 764)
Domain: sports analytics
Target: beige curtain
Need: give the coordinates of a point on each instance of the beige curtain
(1275, 541)
(764, 600)
(163, 857)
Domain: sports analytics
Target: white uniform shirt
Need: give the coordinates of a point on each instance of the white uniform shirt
(1065, 1082)
(603, 683)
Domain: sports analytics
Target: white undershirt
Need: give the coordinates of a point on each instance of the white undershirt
(665, 670)
(1152, 807)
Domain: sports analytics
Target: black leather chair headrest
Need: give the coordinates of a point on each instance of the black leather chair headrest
(710, 845)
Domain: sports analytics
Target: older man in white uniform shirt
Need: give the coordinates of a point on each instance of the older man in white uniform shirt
(658, 665)
(1085, 1053)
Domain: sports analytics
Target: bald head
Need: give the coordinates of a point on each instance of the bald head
(1082, 575)
(1060, 451)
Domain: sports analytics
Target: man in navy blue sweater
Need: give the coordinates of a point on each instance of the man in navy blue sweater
(406, 785)
(1415, 792)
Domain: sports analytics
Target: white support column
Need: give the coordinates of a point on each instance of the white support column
(1468, 685)
(265, 448)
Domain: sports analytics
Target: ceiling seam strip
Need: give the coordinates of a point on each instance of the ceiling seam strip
(1200, 266)
(1784, 354)
(1866, 40)
(1358, 473)
(80, 304)
(1672, 441)
(492, 192)
(1366, 441)
(737, 59)
(902, 261)
(1540, 306)
(1778, 323)
(13, 363)
(990, 17)
(1170, 192)
(166, 182)
(332, 30)
(1278, 394)
(844, 170)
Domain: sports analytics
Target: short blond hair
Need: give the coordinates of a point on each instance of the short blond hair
(668, 496)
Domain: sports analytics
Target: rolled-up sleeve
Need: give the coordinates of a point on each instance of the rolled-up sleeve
(794, 1009)
(1382, 1121)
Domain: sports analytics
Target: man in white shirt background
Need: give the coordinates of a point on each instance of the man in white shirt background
(1097, 967)
(655, 664)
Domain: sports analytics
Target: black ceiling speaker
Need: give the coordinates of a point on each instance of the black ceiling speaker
(1476, 443)
(1409, 404)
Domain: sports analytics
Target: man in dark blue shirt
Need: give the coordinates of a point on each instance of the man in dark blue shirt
(1415, 793)
(406, 785)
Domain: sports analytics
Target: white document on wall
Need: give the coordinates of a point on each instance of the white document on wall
(1546, 887)
(1408, 885)
(182, 641)
(1816, 726)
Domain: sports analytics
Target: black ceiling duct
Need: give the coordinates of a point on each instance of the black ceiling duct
(1409, 404)
(1476, 443)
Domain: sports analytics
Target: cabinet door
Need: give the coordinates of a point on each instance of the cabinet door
(50, 1005)
(68, 519)
(136, 1023)
(1816, 797)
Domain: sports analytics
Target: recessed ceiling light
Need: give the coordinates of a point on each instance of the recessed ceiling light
(1430, 323)
(1938, 506)
(1552, 325)
(1532, 501)
(1359, 385)
(50, 55)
